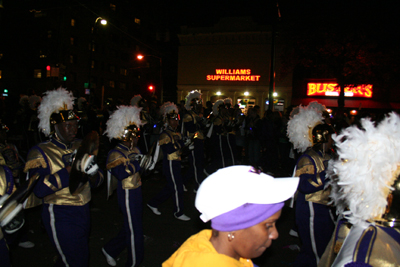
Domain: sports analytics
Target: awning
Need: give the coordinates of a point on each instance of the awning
(348, 103)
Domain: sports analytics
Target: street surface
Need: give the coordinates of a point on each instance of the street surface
(163, 234)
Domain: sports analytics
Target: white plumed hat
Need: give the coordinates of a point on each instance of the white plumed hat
(54, 101)
(216, 106)
(135, 100)
(192, 95)
(167, 108)
(300, 125)
(121, 119)
(367, 166)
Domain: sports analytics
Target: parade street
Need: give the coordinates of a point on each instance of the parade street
(163, 234)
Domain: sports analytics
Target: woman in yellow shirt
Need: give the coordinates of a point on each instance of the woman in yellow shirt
(243, 205)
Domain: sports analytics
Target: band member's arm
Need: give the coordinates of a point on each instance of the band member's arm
(310, 181)
(97, 179)
(122, 167)
(48, 183)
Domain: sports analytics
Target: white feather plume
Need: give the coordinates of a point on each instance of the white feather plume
(216, 106)
(228, 100)
(192, 95)
(135, 100)
(167, 108)
(318, 106)
(120, 119)
(52, 102)
(300, 126)
(367, 166)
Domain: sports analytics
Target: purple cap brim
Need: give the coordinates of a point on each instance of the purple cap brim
(245, 216)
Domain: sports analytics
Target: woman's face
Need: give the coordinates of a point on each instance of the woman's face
(253, 241)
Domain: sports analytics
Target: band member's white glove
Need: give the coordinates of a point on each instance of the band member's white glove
(146, 162)
(88, 165)
(139, 157)
(187, 141)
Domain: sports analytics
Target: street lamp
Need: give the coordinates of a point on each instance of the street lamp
(140, 57)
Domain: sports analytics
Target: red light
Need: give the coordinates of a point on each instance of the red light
(151, 88)
(140, 57)
(48, 67)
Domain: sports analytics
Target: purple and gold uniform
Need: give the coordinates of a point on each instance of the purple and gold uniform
(192, 125)
(171, 143)
(6, 187)
(314, 219)
(124, 168)
(65, 217)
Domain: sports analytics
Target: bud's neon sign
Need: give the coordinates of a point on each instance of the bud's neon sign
(332, 89)
(238, 75)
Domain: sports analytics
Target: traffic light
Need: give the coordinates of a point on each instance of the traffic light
(64, 78)
(48, 71)
(5, 92)
(151, 88)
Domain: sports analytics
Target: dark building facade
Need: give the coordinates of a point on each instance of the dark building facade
(47, 44)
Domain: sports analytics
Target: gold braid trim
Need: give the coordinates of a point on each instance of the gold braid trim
(164, 139)
(187, 118)
(35, 163)
(307, 169)
(116, 163)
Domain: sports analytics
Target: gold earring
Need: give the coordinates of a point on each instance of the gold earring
(230, 237)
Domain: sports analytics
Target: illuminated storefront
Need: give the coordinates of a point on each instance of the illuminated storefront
(326, 92)
(222, 62)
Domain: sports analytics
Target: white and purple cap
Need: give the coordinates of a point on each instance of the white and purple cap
(239, 197)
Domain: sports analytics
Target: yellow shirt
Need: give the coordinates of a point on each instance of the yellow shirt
(197, 251)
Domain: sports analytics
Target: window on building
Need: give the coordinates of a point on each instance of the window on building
(49, 34)
(122, 86)
(72, 22)
(92, 47)
(113, 6)
(71, 59)
(93, 64)
(123, 71)
(0, 74)
(1, 55)
(112, 68)
(72, 40)
(37, 73)
(38, 13)
(112, 84)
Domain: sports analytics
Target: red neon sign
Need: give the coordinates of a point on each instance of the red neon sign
(238, 75)
(332, 89)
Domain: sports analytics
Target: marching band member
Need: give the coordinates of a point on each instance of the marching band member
(66, 217)
(123, 165)
(219, 133)
(194, 129)
(6, 188)
(314, 219)
(171, 144)
(147, 128)
(365, 189)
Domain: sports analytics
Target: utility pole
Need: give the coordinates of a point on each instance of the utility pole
(272, 66)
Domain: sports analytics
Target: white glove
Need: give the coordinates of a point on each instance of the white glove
(87, 165)
(138, 157)
(146, 162)
(191, 146)
(187, 141)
